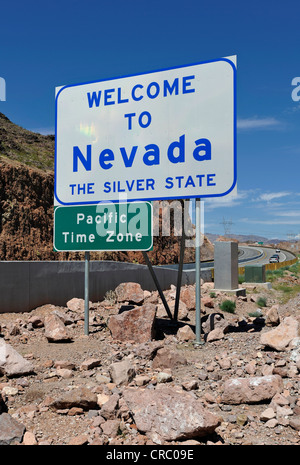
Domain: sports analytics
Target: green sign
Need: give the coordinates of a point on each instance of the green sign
(105, 226)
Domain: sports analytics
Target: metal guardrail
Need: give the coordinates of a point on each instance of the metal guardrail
(272, 266)
(268, 266)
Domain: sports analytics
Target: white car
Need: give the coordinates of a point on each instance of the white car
(277, 250)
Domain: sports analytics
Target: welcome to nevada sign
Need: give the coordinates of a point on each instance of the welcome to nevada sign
(159, 135)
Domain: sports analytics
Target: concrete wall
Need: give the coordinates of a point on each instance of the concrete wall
(28, 285)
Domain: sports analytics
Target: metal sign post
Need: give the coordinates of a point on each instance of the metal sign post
(86, 292)
(198, 274)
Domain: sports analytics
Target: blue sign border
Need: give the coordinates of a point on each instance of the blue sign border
(142, 74)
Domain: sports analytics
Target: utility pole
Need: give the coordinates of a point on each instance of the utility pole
(227, 226)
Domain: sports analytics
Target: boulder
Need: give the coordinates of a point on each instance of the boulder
(11, 431)
(55, 330)
(76, 305)
(136, 324)
(215, 335)
(80, 397)
(109, 408)
(169, 414)
(11, 362)
(130, 292)
(280, 337)
(185, 333)
(122, 372)
(251, 390)
(168, 358)
(272, 316)
(188, 296)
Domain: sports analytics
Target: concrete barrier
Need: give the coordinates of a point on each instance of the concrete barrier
(28, 285)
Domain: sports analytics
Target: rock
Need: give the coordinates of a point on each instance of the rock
(64, 373)
(251, 390)
(122, 372)
(29, 439)
(163, 377)
(188, 296)
(11, 362)
(168, 358)
(241, 419)
(63, 316)
(80, 440)
(81, 397)
(55, 330)
(109, 408)
(147, 350)
(272, 316)
(102, 399)
(36, 321)
(169, 414)
(111, 428)
(91, 363)
(294, 422)
(185, 333)
(136, 324)
(280, 337)
(130, 292)
(11, 431)
(271, 423)
(215, 335)
(207, 302)
(267, 414)
(142, 380)
(190, 385)
(64, 364)
(77, 305)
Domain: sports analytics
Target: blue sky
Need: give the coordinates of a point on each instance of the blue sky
(47, 44)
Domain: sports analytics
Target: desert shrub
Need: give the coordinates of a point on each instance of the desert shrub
(227, 306)
(241, 278)
(261, 302)
(111, 297)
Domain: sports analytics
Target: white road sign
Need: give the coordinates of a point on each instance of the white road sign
(160, 135)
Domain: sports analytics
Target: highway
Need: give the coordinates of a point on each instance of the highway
(247, 255)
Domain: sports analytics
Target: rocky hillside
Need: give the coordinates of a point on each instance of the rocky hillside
(26, 205)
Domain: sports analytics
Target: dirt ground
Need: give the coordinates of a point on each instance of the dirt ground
(29, 402)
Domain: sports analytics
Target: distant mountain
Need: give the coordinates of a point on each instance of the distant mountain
(244, 238)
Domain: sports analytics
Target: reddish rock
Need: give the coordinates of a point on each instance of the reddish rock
(55, 330)
(169, 414)
(136, 324)
(130, 292)
(280, 337)
(80, 440)
(11, 362)
(11, 431)
(188, 296)
(251, 390)
(29, 439)
(168, 358)
(185, 333)
(207, 302)
(81, 397)
(122, 372)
